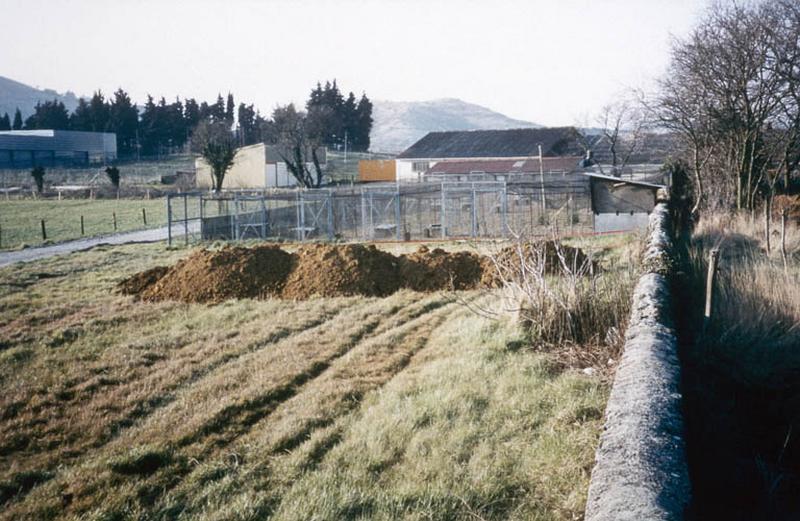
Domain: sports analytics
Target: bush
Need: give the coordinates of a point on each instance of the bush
(38, 177)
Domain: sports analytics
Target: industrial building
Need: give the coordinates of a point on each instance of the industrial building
(255, 167)
(512, 145)
(55, 148)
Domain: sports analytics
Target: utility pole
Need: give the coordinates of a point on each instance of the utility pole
(345, 147)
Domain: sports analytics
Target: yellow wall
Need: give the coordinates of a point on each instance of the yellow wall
(376, 170)
(248, 170)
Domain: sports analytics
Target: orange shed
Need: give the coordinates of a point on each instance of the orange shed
(376, 170)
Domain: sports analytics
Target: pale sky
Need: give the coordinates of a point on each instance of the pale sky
(554, 62)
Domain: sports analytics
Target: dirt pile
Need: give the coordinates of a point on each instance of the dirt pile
(214, 276)
(137, 283)
(535, 256)
(435, 270)
(326, 270)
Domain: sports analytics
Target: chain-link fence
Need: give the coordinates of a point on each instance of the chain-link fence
(486, 209)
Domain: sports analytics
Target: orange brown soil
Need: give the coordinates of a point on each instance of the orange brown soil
(327, 270)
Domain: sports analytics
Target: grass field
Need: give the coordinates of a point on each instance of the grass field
(404, 407)
(20, 220)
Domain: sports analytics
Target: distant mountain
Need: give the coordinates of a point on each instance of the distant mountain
(14, 94)
(399, 124)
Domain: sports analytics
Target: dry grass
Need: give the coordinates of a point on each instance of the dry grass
(740, 373)
(755, 329)
(408, 406)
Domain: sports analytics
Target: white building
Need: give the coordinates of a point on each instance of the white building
(255, 167)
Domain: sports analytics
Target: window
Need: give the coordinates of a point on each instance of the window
(419, 166)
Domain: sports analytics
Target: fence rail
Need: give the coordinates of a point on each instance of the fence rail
(483, 209)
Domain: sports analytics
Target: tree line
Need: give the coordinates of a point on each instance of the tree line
(732, 96)
(330, 119)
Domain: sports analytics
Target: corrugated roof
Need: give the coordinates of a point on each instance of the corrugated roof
(506, 166)
(617, 180)
(520, 142)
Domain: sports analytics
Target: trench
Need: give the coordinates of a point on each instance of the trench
(742, 434)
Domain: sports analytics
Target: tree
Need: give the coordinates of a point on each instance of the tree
(113, 175)
(17, 120)
(731, 95)
(247, 128)
(217, 146)
(229, 108)
(124, 121)
(297, 139)
(48, 115)
(38, 177)
(5, 122)
(361, 140)
(622, 126)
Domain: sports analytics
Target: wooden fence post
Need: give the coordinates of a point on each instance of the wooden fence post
(712, 272)
(783, 236)
(114, 217)
(82, 229)
(767, 216)
(44, 231)
(144, 216)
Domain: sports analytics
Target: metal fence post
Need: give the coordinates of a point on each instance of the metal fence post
(186, 218)
(169, 220)
(263, 216)
(504, 209)
(398, 215)
(302, 218)
(330, 214)
(297, 213)
(236, 231)
(474, 213)
(201, 203)
(363, 216)
(443, 224)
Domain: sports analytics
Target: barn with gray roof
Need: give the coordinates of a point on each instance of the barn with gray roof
(512, 144)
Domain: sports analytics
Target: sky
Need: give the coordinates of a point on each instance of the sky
(553, 62)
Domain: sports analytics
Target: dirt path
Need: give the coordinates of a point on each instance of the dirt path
(43, 252)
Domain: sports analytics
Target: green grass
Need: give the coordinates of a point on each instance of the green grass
(20, 220)
(404, 407)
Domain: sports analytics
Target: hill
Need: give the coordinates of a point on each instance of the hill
(14, 94)
(398, 124)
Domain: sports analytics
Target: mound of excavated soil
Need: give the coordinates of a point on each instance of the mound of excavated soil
(433, 270)
(326, 270)
(511, 258)
(232, 272)
(137, 283)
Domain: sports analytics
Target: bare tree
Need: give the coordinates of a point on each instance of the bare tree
(298, 143)
(216, 144)
(731, 95)
(622, 125)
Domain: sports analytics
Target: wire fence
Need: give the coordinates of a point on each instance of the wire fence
(384, 212)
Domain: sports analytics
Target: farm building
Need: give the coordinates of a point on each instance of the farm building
(514, 145)
(620, 204)
(50, 148)
(257, 166)
(500, 169)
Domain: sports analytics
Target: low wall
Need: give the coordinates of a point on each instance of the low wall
(641, 470)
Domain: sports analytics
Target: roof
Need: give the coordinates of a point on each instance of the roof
(58, 140)
(618, 180)
(505, 166)
(518, 142)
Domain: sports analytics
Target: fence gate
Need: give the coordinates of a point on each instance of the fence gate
(314, 214)
(381, 215)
